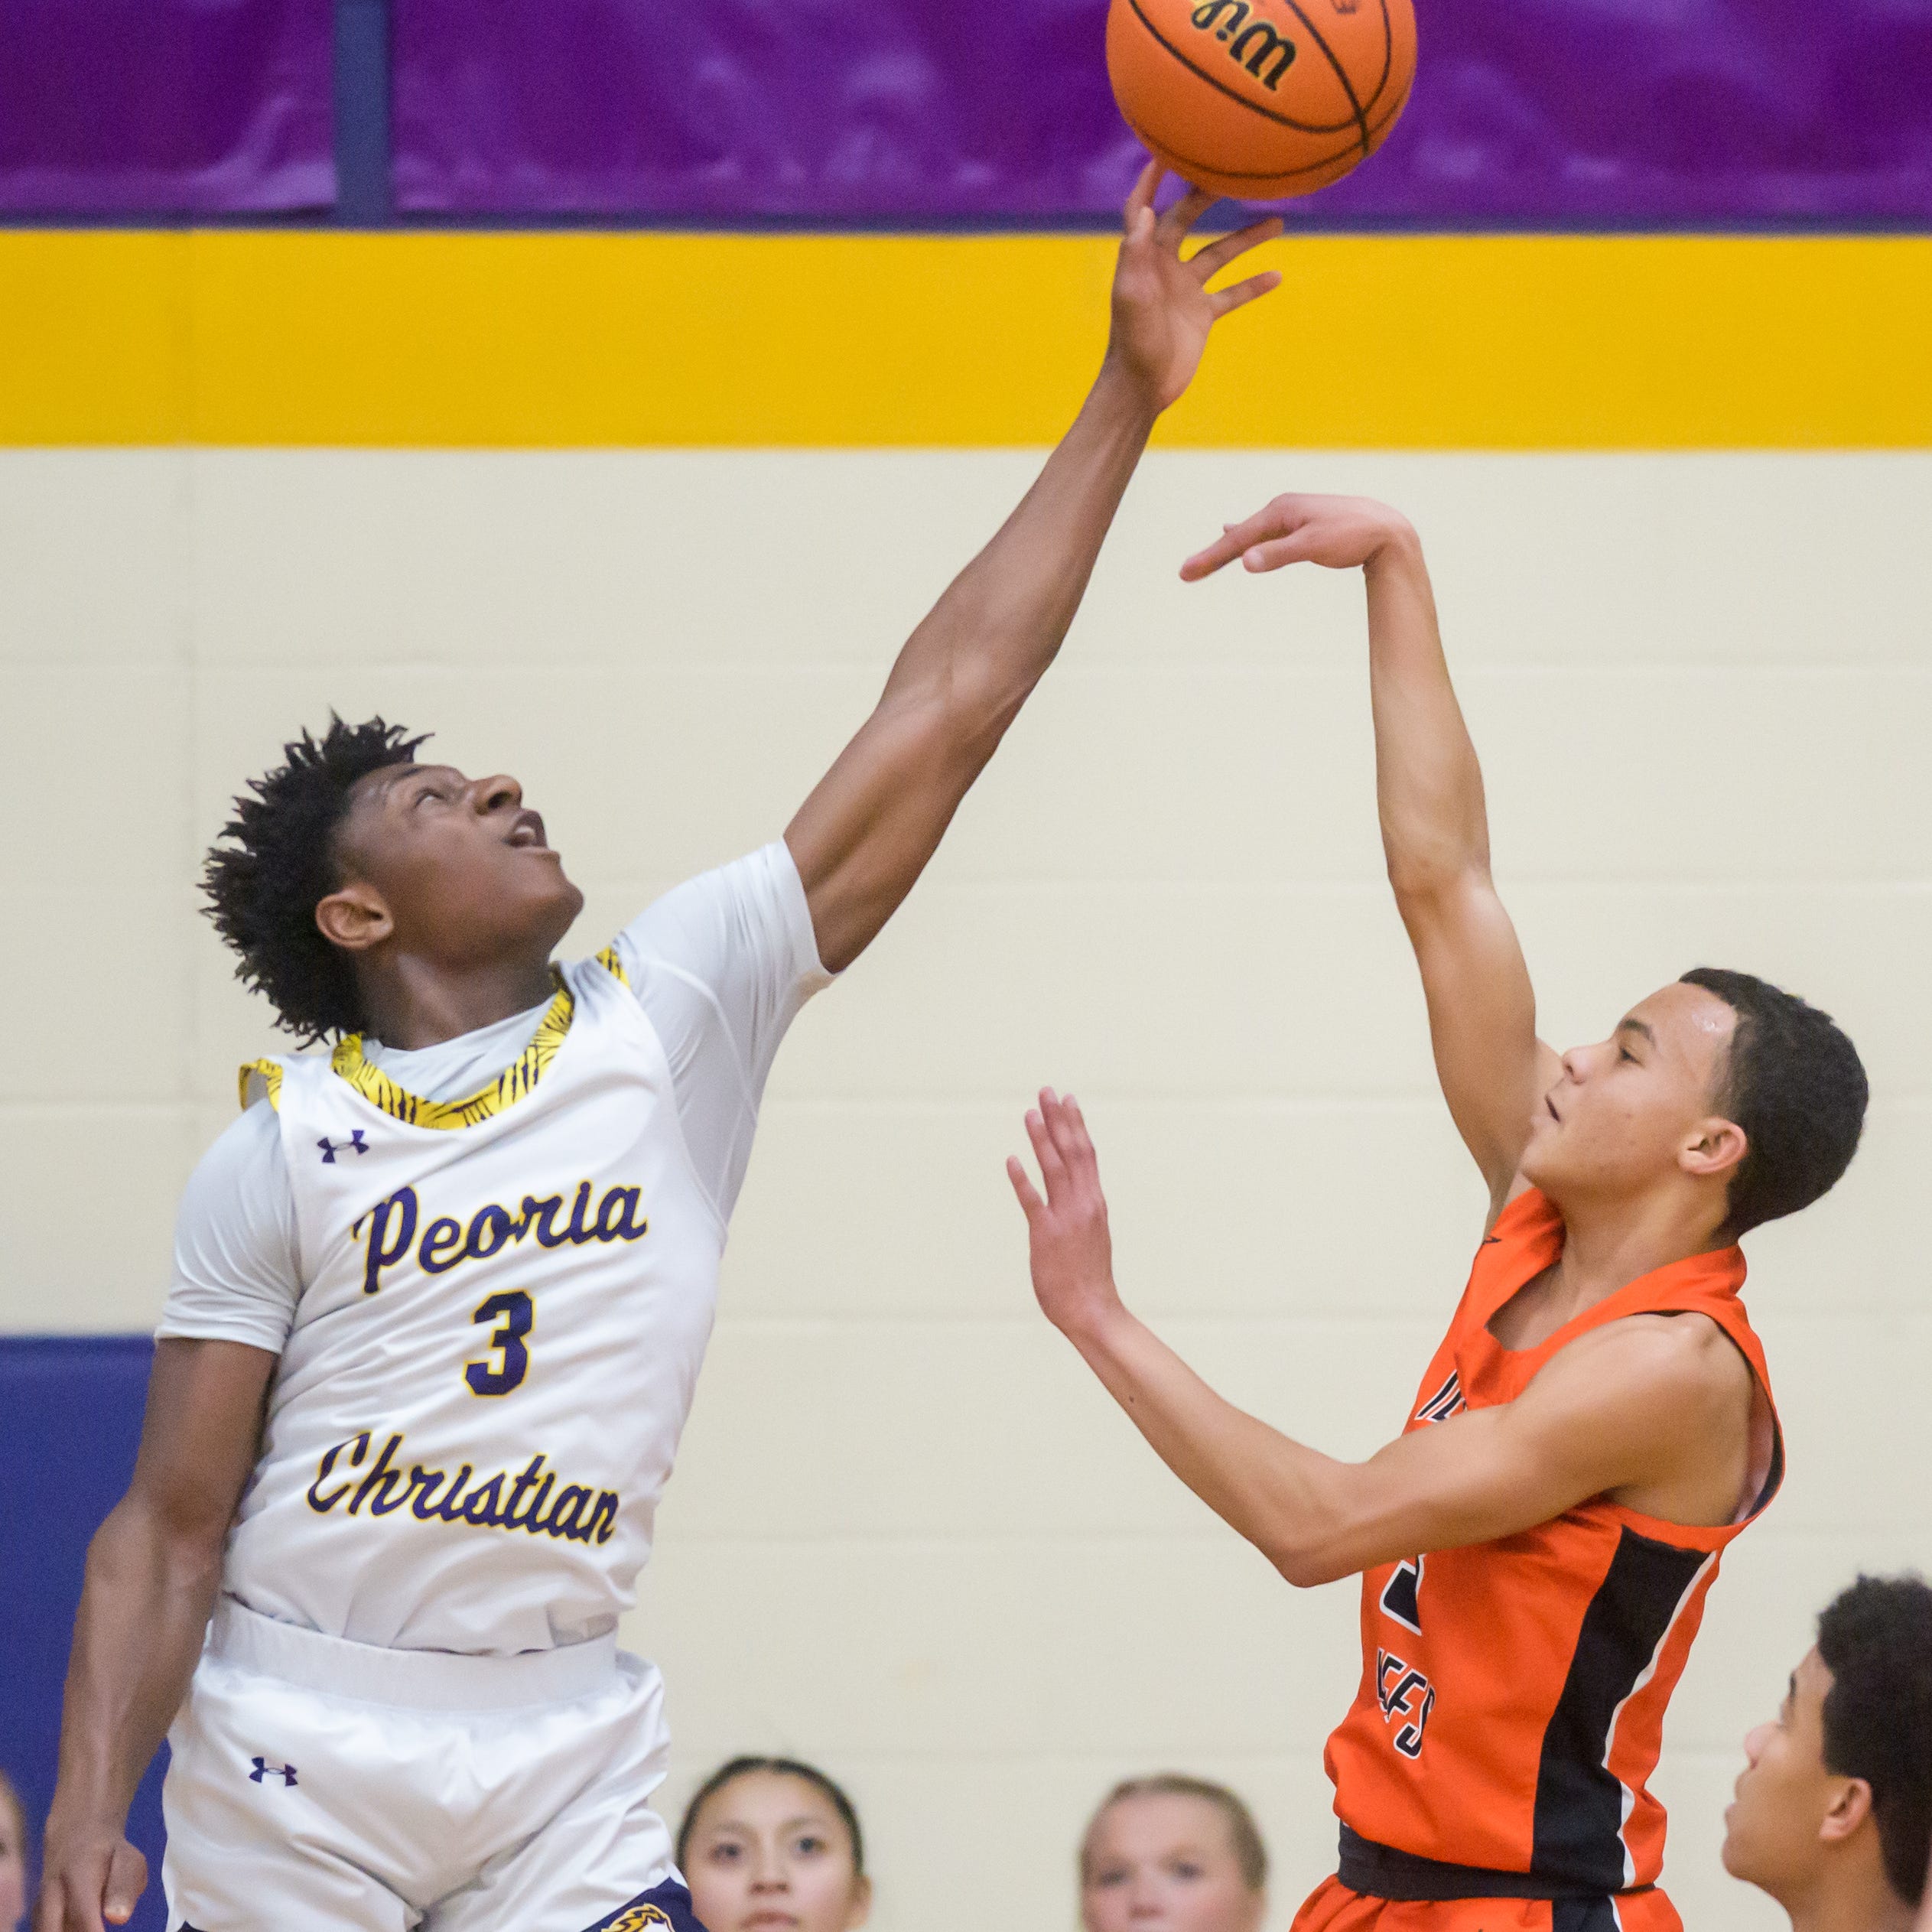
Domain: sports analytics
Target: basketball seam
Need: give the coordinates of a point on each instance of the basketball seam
(1241, 100)
(1388, 57)
(1341, 74)
(1265, 174)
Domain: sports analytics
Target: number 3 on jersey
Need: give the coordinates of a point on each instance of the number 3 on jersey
(515, 1315)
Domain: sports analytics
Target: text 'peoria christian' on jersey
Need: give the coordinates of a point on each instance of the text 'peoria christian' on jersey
(1512, 1707)
(507, 1303)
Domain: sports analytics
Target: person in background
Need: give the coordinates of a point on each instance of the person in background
(770, 1843)
(1172, 1854)
(13, 1856)
(1833, 1812)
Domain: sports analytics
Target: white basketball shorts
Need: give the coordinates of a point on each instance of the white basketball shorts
(318, 1785)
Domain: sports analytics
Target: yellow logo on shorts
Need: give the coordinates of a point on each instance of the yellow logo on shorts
(637, 1918)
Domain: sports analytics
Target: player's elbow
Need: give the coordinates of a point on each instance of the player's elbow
(1308, 1565)
(1429, 874)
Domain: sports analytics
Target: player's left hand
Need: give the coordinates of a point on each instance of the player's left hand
(1163, 306)
(1071, 1251)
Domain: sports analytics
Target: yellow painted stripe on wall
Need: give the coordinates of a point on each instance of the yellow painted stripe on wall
(571, 340)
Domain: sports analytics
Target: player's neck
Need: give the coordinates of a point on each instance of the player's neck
(1856, 1901)
(410, 1003)
(1608, 1244)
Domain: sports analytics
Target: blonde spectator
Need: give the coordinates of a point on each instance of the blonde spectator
(769, 1842)
(1172, 1854)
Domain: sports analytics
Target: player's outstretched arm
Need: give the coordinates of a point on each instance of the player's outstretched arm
(152, 1573)
(867, 831)
(1435, 825)
(1647, 1409)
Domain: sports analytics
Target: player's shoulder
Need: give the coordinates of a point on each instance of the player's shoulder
(250, 1141)
(1684, 1359)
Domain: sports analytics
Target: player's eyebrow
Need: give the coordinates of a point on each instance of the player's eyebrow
(1637, 1026)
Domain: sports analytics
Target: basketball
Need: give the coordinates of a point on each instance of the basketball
(1261, 98)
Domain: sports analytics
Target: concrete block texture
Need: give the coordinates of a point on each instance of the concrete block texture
(909, 1535)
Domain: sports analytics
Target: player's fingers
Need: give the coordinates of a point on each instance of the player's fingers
(1052, 1170)
(1225, 301)
(1272, 556)
(127, 1879)
(1270, 521)
(1178, 221)
(1141, 195)
(1210, 260)
(1030, 1203)
(1081, 1141)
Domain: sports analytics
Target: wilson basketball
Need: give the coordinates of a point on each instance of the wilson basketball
(1261, 98)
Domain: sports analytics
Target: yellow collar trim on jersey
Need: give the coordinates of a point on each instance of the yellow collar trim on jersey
(269, 1073)
(510, 1086)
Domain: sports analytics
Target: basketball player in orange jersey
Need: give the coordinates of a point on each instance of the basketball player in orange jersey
(1535, 1547)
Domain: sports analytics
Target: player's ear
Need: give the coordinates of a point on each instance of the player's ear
(1850, 1810)
(861, 1906)
(1713, 1148)
(354, 918)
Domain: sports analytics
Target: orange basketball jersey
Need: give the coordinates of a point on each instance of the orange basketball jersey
(1512, 1698)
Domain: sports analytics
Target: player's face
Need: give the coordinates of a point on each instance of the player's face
(770, 1853)
(462, 870)
(1638, 1106)
(1163, 1862)
(1774, 1830)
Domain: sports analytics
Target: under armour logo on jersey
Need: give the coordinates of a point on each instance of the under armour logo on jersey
(1446, 1402)
(263, 1769)
(1401, 1595)
(354, 1144)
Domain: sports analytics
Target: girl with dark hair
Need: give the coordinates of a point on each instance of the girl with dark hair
(1170, 1853)
(769, 1841)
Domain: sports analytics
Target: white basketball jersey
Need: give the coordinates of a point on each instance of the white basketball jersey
(507, 1300)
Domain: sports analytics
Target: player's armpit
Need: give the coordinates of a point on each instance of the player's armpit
(1653, 1412)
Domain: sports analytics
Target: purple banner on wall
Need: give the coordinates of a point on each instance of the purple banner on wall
(165, 107)
(1548, 113)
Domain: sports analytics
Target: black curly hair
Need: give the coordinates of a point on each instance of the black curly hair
(275, 860)
(1875, 1639)
(1796, 1085)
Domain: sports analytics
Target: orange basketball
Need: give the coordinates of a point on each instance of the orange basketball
(1260, 99)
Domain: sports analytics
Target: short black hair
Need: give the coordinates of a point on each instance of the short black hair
(1876, 1641)
(276, 861)
(1796, 1085)
(738, 1768)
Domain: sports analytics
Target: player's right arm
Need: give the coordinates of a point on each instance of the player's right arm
(153, 1569)
(1434, 824)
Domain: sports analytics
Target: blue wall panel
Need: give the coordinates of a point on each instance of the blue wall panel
(70, 1411)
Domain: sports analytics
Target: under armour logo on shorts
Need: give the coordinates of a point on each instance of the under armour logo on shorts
(355, 1144)
(263, 1770)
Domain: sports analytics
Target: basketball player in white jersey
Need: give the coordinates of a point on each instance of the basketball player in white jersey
(441, 1295)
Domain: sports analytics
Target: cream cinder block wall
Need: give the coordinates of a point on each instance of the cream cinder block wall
(909, 1535)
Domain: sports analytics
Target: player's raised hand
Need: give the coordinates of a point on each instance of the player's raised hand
(1339, 532)
(90, 1880)
(1071, 1251)
(1163, 308)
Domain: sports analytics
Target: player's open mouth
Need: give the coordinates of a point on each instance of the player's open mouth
(526, 832)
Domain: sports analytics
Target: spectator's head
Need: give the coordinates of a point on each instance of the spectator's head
(1835, 1802)
(770, 1843)
(1172, 1854)
(13, 1856)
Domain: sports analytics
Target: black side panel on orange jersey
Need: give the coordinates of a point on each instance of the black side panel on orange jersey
(1579, 1804)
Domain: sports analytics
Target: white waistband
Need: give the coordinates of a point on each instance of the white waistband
(436, 1680)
